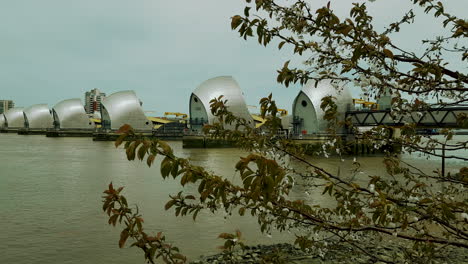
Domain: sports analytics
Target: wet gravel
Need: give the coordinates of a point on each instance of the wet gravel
(287, 253)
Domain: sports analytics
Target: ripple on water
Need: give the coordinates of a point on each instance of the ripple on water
(50, 193)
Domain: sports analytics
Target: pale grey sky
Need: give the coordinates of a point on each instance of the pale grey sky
(58, 49)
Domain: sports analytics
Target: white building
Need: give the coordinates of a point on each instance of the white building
(384, 100)
(200, 113)
(5, 105)
(93, 100)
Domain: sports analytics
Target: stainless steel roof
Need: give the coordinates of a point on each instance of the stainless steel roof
(38, 116)
(324, 88)
(215, 87)
(2, 120)
(14, 117)
(70, 113)
(124, 108)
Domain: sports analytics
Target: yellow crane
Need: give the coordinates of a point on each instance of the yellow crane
(283, 112)
(177, 114)
(366, 104)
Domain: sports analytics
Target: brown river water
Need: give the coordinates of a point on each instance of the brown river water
(51, 188)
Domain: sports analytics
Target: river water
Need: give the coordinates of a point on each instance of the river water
(51, 188)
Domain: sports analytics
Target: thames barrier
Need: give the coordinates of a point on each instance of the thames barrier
(306, 124)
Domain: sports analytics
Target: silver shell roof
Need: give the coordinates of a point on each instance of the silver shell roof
(2, 120)
(70, 114)
(38, 116)
(124, 108)
(324, 88)
(229, 88)
(14, 117)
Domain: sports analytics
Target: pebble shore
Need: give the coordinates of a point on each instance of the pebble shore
(287, 253)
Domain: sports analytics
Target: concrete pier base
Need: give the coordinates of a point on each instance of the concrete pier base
(25, 131)
(69, 133)
(205, 142)
(112, 136)
(9, 130)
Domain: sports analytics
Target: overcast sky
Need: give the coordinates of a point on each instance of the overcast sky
(53, 50)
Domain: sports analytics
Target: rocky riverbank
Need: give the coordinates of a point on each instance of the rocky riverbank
(287, 253)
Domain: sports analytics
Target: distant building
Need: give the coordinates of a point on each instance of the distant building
(5, 105)
(385, 100)
(93, 100)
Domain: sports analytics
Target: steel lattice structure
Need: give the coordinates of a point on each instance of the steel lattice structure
(433, 118)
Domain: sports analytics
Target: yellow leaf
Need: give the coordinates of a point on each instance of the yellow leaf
(388, 53)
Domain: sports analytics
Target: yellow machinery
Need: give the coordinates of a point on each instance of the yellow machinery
(259, 121)
(283, 112)
(177, 114)
(96, 121)
(158, 122)
(366, 104)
